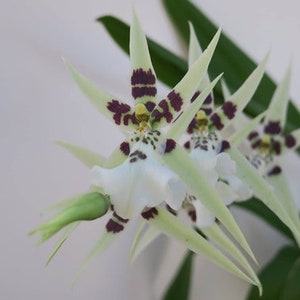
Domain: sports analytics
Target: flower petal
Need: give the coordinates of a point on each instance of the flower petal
(115, 110)
(179, 161)
(170, 108)
(86, 156)
(226, 112)
(143, 78)
(171, 226)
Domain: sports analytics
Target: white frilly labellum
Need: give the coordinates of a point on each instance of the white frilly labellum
(141, 181)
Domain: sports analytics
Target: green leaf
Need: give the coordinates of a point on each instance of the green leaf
(228, 58)
(179, 289)
(280, 278)
(169, 67)
(261, 210)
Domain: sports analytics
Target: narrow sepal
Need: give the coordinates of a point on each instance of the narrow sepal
(180, 125)
(143, 78)
(241, 134)
(69, 229)
(169, 109)
(179, 161)
(143, 239)
(172, 227)
(248, 174)
(237, 102)
(87, 157)
(115, 110)
(277, 109)
(216, 235)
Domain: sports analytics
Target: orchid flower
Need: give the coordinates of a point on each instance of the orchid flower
(149, 168)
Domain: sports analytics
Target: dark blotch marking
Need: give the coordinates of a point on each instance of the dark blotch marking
(113, 226)
(141, 91)
(273, 127)
(256, 144)
(150, 105)
(187, 145)
(165, 113)
(140, 76)
(208, 100)
(130, 117)
(275, 171)
(225, 145)
(171, 210)
(276, 147)
(290, 141)
(229, 109)
(252, 135)
(175, 100)
(125, 148)
(120, 218)
(150, 213)
(216, 120)
(192, 215)
(170, 145)
(118, 109)
(208, 111)
(192, 126)
(196, 94)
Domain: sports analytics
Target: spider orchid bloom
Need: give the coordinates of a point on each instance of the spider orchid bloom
(144, 170)
(263, 174)
(206, 146)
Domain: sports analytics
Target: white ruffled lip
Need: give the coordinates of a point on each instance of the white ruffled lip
(133, 186)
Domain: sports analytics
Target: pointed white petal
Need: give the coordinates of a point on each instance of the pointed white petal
(181, 94)
(225, 90)
(86, 156)
(116, 111)
(241, 135)
(261, 189)
(242, 96)
(143, 78)
(181, 124)
(142, 240)
(278, 106)
(171, 226)
(179, 161)
(216, 235)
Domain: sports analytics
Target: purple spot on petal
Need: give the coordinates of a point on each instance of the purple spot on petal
(207, 111)
(256, 144)
(196, 94)
(140, 76)
(208, 100)
(216, 120)
(276, 147)
(273, 127)
(150, 213)
(120, 218)
(192, 126)
(165, 113)
(150, 105)
(187, 145)
(175, 100)
(290, 141)
(131, 118)
(225, 145)
(141, 91)
(113, 226)
(118, 109)
(252, 135)
(275, 171)
(170, 145)
(125, 148)
(229, 109)
(192, 215)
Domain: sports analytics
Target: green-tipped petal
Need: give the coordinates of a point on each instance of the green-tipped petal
(116, 158)
(143, 78)
(248, 174)
(173, 227)
(216, 235)
(242, 96)
(182, 93)
(180, 125)
(87, 157)
(142, 240)
(179, 161)
(105, 103)
(241, 135)
(68, 231)
(277, 110)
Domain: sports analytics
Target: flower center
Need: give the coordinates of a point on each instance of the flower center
(201, 121)
(265, 145)
(142, 115)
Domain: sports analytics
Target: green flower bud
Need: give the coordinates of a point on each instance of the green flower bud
(86, 207)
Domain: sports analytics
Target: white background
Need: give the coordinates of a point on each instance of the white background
(39, 103)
